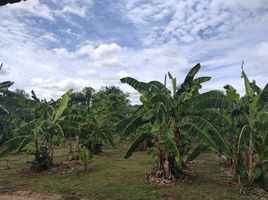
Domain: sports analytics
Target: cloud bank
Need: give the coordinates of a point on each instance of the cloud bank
(50, 47)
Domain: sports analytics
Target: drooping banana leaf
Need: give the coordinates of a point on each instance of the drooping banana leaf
(194, 129)
(199, 149)
(244, 134)
(15, 144)
(212, 99)
(214, 134)
(137, 142)
(133, 125)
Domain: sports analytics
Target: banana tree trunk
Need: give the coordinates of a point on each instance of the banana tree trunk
(48, 146)
(70, 145)
(37, 153)
(77, 142)
(176, 131)
(52, 153)
(167, 170)
(42, 160)
(97, 149)
(164, 170)
(234, 160)
(143, 146)
(166, 167)
(250, 160)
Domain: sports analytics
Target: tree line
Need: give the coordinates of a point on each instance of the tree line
(83, 120)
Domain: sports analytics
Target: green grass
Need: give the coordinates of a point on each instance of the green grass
(111, 177)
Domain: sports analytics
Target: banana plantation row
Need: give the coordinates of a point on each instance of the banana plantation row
(176, 125)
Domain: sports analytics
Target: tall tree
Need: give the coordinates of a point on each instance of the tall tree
(111, 105)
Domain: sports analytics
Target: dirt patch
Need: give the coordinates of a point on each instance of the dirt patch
(159, 181)
(260, 194)
(29, 195)
(61, 168)
(66, 167)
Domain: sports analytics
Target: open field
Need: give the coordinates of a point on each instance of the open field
(111, 177)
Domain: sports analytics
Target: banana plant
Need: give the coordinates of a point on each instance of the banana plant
(253, 140)
(255, 129)
(86, 157)
(4, 126)
(173, 115)
(90, 129)
(38, 136)
(94, 132)
(245, 127)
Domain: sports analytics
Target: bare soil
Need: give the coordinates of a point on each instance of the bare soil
(29, 195)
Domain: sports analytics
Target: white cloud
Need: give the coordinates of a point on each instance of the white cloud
(86, 50)
(105, 50)
(61, 85)
(62, 52)
(3, 72)
(31, 8)
(191, 20)
(76, 7)
(109, 62)
(49, 37)
(42, 9)
(171, 36)
(80, 11)
(99, 52)
(48, 88)
(123, 74)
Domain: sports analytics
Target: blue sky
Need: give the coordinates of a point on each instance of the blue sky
(50, 46)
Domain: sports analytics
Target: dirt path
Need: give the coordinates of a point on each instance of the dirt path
(29, 195)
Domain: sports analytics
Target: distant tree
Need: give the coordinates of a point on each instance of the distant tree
(83, 98)
(112, 104)
(22, 93)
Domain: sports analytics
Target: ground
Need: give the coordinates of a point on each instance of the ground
(111, 177)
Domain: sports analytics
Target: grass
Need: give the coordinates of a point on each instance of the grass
(111, 177)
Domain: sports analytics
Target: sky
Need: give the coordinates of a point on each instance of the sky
(50, 46)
